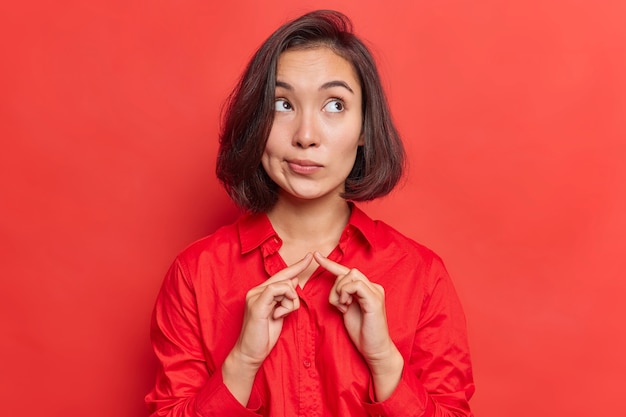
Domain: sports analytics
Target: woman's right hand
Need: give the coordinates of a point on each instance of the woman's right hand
(266, 307)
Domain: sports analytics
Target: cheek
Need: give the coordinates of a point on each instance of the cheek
(270, 150)
(270, 158)
(351, 144)
(272, 144)
(265, 160)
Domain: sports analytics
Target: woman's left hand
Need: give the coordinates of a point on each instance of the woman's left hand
(362, 303)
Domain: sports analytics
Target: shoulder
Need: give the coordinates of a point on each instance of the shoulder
(391, 253)
(422, 272)
(389, 239)
(222, 243)
(384, 238)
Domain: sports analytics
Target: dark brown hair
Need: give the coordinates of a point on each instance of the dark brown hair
(249, 114)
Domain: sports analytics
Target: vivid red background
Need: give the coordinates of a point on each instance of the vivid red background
(513, 113)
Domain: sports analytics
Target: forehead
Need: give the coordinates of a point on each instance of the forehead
(317, 64)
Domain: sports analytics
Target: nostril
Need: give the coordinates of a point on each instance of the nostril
(305, 143)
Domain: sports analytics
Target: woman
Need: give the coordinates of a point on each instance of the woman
(306, 306)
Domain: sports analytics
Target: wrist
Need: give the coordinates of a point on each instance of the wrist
(238, 376)
(390, 363)
(386, 373)
(385, 361)
(240, 366)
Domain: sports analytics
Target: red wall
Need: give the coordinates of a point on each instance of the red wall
(513, 113)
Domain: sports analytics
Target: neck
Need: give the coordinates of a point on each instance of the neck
(310, 220)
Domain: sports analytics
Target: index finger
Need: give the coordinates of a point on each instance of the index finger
(291, 271)
(331, 266)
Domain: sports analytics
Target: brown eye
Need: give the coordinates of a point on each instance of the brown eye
(282, 105)
(334, 106)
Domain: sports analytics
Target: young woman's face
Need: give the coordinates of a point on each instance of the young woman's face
(317, 124)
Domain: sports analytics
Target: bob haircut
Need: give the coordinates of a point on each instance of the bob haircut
(249, 114)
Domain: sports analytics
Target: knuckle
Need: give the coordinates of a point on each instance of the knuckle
(355, 271)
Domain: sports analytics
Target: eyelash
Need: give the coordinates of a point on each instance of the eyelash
(330, 100)
(278, 99)
(338, 102)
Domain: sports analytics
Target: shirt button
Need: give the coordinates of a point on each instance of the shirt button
(307, 364)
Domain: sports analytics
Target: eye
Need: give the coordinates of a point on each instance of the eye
(334, 106)
(282, 105)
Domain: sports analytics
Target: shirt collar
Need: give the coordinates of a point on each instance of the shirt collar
(255, 228)
(363, 223)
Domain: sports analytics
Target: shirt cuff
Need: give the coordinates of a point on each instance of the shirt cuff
(409, 399)
(215, 399)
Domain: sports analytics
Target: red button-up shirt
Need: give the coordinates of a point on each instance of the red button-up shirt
(314, 369)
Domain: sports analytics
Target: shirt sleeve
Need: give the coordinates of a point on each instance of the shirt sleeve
(186, 384)
(437, 378)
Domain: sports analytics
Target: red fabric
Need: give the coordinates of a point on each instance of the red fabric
(314, 370)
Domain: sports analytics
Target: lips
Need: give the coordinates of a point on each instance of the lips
(302, 166)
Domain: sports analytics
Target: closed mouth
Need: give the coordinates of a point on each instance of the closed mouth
(303, 166)
(303, 163)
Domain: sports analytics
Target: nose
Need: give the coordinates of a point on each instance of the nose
(306, 132)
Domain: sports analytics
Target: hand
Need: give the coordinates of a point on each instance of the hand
(362, 303)
(266, 307)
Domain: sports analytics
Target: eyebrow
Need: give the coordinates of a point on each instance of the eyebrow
(325, 86)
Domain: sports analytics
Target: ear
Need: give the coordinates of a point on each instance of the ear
(361, 139)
